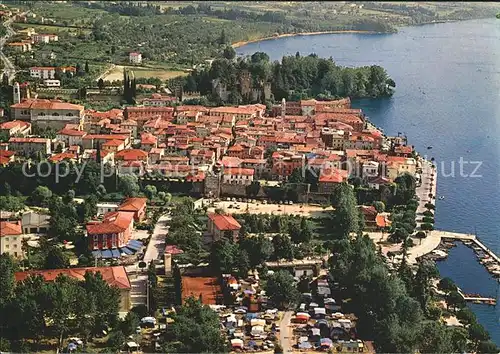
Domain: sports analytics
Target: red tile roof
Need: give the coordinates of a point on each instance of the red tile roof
(113, 222)
(333, 175)
(29, 140)
(131, 155)
(47, 104)
(10, 228)
(114, 276)
(14, 124)
(239, 171)
(133, 204)
(224, 222)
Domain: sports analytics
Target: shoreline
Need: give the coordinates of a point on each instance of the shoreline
(243, 43)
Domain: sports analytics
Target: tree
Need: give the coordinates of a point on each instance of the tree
(447, 285)
(259, 249)
(466, 316)
(150, 191)
(379, 206)
(296, 176)
(41, 195)
(345, 215)
(224, 255)
(195, 330)
(487, 347)
(6, 278)
(283, 248)
(116, 340)
(56, 259)
(455, 300)
(229, 53)
(128, 185)
(100, 84)
(281, 289)
(477, 333)
(87, 69)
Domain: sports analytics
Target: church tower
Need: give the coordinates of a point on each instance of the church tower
(283, 108)
(16, 93)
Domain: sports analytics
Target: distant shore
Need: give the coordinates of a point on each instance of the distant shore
(242, 43)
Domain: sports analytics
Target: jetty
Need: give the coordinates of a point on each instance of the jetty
(476, 298)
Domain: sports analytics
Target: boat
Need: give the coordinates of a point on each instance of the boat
(441, 197)
(429, 147)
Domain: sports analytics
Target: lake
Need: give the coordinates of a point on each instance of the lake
(447, 97)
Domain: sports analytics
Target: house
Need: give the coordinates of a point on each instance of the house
(131, 155)
(16, 127)
(104, 208)
(29, 146)
(202, 157)
(329, 178)
(376, 182)
(397, 166)
(34, 222)
(137, 206)
(20, 46)
(48, 113)
(6, 157)
(44, 38)
(233, 175)
(148, 141)
(11, 236)
(370, 214)
(158, 100)
(142, 114)
(71, 136)
(370, 169)
(43, 72)
(51, 83)
(135, 58)
(223, 226)
(113, 276)
(112, 232)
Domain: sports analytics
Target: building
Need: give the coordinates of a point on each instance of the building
(329, 178)
(135, 58)
(112, 232)
(238, 175)
(29, 146)
(104, 208)
(51, 83)
(20, 46)
(44, 38)
(34, 222)
(136, 206)
(141, 114)
(48, 113)
(11, 236)
(16, 128)
(158, 100)
(113, 276)
(43, 72)
(220, 225)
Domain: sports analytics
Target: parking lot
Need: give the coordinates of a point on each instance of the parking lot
(257, 207)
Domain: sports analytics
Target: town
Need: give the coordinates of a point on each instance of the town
(163, 225)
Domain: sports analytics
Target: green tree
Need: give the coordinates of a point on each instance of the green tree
(345, 216)
(283, 248)
(150, 191)
(7, 269)
(41, 196)
(116, 340)
(56, 259)
(281, 289)
(195, 330)
(229, 53)
(259, 249)
(224, 255)
(447, 285)
(128, 185)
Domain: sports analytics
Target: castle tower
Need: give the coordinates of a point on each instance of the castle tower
(16, 93)
(283, 108)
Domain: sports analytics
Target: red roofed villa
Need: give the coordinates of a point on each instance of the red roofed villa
(220, 225)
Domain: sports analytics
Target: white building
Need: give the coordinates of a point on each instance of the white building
(11, 238)
(51, 83)
(45, 38)
(370, 169)
(135, 57)
(43, 72)
(104, 208)
(236, 175)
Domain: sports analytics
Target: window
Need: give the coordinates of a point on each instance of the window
(6, 239)
(55, 114)
(69, 115)
(15, 245)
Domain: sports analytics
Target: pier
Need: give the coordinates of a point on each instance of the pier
(477, 299)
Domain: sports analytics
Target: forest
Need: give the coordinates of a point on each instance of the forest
(294, 77)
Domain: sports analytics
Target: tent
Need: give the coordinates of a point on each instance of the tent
(329, 300)
(72, 346)
(126, 250)
(303, 339)
(326, 342)
(107, 254)
(257, 330)
(236, 343)
(320, 311)
(313, 304)
(320, 323)
(115, 253)
(250, 316)
(302, 316)
(257, 322)
(315, 331)
(252, 344)
(305, 345)
(97, 254)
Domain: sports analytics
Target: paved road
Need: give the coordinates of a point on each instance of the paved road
(286, 332)
(9, 68)
(155, 248)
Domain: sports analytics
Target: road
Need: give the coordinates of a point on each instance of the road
(156, 246)
(105, 73)
(9, 68)
(286, 333)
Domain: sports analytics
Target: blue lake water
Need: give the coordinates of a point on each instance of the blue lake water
(447, 97)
